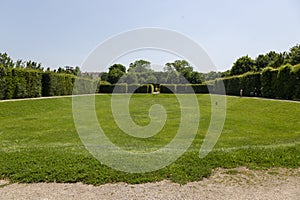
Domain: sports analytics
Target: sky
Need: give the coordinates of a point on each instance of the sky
(60, 33)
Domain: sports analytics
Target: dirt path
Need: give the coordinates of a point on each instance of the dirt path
(239, 183)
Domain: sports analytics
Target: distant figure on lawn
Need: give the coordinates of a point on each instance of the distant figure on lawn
(241, 92)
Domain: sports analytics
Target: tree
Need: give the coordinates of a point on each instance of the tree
(151, 79)
(6, 61)
(276, 59)
(242, 65)
(118, 67)
(129, 78)
(261, 62)
(212, 75)
(294, 55)
(33, 65)
(186, 73)
(140, 66)
(116, 71)
(103, 76)
(196, 78)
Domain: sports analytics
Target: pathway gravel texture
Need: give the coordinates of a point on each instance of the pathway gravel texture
(238, 183)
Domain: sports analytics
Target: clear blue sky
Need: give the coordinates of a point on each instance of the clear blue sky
(64, 32)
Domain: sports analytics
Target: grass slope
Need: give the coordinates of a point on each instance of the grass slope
(39, 143)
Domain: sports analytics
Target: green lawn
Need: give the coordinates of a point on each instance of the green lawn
(39, 143)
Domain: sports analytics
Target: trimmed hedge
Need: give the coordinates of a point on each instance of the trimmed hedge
(168, 88)
(283, 83)
(108, 88)
(137, 88)
(84, 86)
(296, 79)
(19, 83)
(2, 83)
(124, 88)
(268, 79)
(56, 84)
(249, 82)
(186, 88)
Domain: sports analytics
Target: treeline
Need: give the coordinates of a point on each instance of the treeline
(271, 59)
(140, 72)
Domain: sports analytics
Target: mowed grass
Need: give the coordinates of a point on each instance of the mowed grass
(39, 142)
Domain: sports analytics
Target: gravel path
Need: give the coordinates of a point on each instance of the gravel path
(239, 183)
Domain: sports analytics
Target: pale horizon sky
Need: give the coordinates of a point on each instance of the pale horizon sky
(57, 33)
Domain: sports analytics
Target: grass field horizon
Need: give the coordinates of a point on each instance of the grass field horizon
(39, 142)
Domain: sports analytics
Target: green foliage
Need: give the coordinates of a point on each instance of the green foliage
(242, 65)
(2, 82)
(294, 55)
(83, 86)
(140, 66)
(137, 88)
(6, 61)
(232, 85)
(106, 88)
(19, 83)
(250, 82)
(202, 88)
(284, 85)
(116, 71)
(116, 88)
(57, 84)
(268, 80)
(184, 75)
(295, 73)
(168, 88)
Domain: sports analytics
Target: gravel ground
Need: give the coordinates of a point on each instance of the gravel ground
(238, 183)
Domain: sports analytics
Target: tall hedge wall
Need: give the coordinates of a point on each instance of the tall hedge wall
(296, 78)
(283, 83)
(124, 88)
(186, 88)
(19, 83)
(2, 83)
(56, 84)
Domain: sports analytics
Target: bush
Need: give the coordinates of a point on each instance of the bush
(202, 88)
(20, 83)
(268, 79)
(84, 86)
(295, 73)
(2, 82)
(108, 88)
(250, 81)
(168, 88)
(284, 85)
(147, 88)
(57, 84)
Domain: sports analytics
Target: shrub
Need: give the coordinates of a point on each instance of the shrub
(168, 88)
(250, 81)
(268, 79)
(284, 84)
(56, 84)
(108, 88)
(2, 82)
(296, 80)
(202, 88)
(20, 83)
(84, 86)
